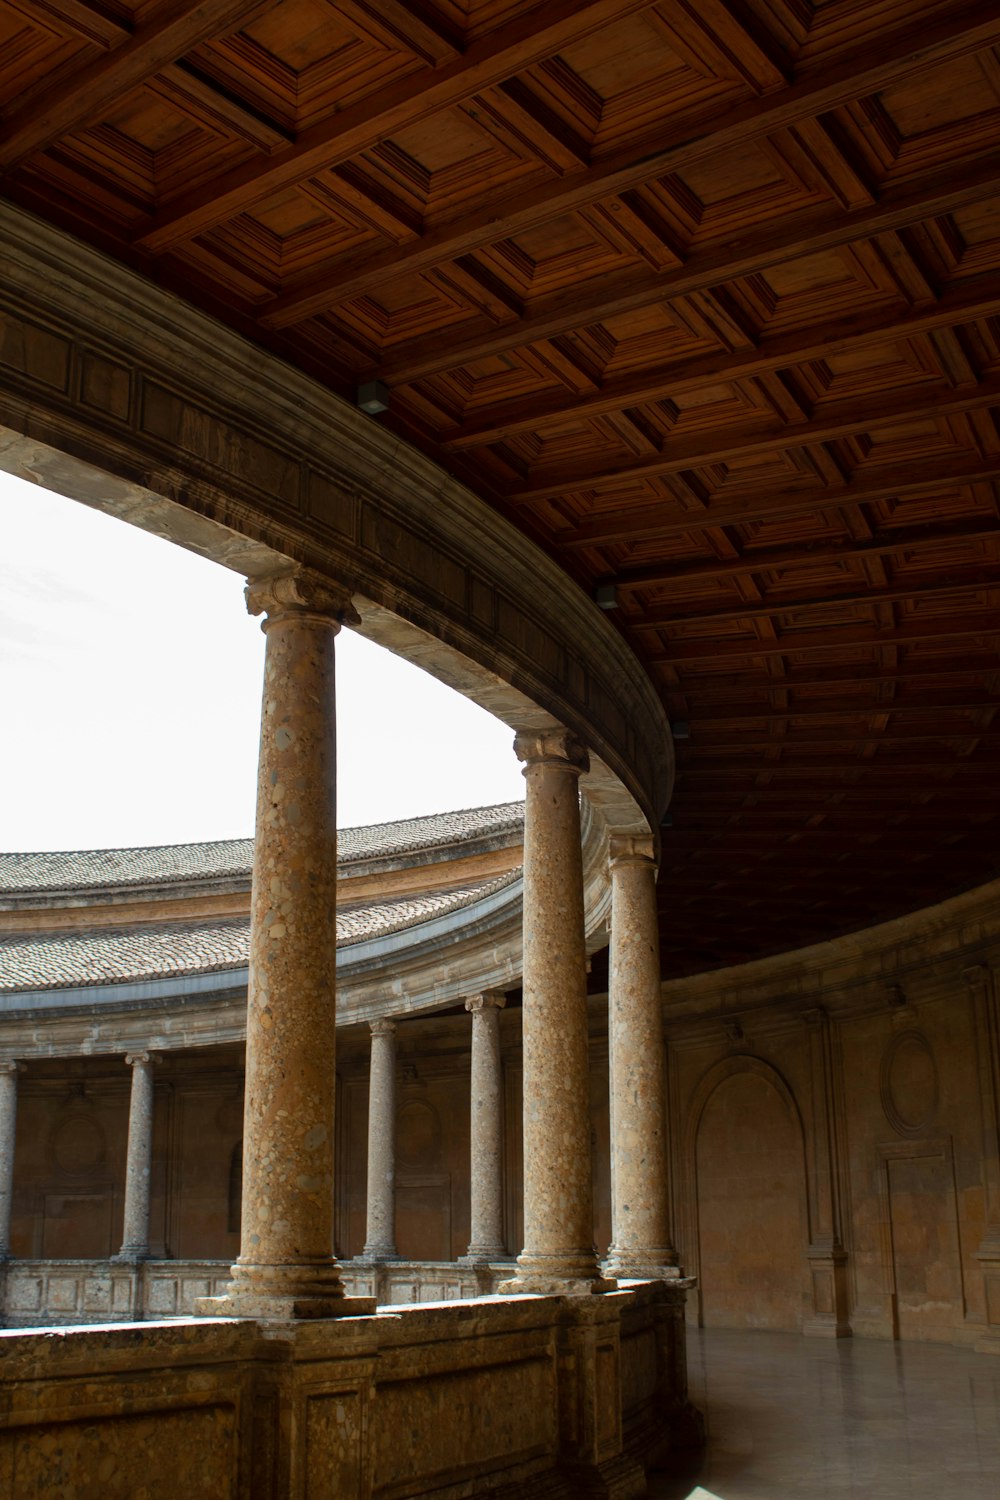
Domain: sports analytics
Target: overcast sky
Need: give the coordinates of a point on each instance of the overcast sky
(130, 679)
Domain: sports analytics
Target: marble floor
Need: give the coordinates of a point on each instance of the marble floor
(791, 1418)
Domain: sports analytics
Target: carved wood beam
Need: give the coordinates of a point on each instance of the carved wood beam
(843, 733)
(906, 538)
(960, 700)
(976, 297)
(844, 420)
(488, 61)
(708, 687)
(625, 169)
(985, 578)
(957, 774)
(943, 628)
(662, 516)
(50, 113)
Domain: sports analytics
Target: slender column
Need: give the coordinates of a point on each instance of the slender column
(8, 1128)
(286, 1267)
(380, 1231)
(486, 1132)
(827, 1256)
(558, 1255)
(986, 1014)
(139, 1160)
(640, 1228)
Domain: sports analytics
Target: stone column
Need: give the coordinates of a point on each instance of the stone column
(139, 1159)
(380, 1228)
(558, 1255)
(640, 1222)
(8, 1128)
(486, 1130)
(286, 1267)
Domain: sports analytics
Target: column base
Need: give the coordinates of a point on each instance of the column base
(477, 1255)
(557, 1276)
(643, 1265)
(130, 1255)
(288, 1293)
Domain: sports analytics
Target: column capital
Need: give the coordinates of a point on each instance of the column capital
(977, 977)
(131, 1058)
(300, 592)
(11, 1065)
(384, 1027)
(551, 747)
(488, 1000)
(631, 849)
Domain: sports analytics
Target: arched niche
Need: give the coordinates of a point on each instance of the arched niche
(747, 1171)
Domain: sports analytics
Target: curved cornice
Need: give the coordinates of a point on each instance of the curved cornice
(222, 447)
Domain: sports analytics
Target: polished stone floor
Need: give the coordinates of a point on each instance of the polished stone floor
(791, 1418)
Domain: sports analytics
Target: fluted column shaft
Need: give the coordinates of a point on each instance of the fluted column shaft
(558, 1255)
(286, 1267)
(8, 1132)
(139, 1159)
(380, 1230)
(486, 1129)
(640, 1245)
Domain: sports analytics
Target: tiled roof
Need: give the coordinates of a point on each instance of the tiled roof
(64, 960)
(103, 868)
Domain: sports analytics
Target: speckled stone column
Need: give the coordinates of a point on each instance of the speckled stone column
(486, 1130)
(640, 1229)
(139, 1159)
(286, 1267)
(558, 1255)
(380, 1229)
(8, 1130)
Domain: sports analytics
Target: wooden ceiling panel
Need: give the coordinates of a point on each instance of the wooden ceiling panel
(35, 44)
(658, 68)
(301, 63)
(929, 120)
(150, 149)
(472, 20)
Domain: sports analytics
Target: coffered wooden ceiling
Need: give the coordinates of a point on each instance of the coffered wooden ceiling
(702, 294)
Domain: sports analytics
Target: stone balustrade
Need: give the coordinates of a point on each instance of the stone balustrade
(60, 1293)
(536, 1396)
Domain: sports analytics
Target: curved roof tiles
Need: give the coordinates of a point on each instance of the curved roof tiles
(113, 956)
(95, 869)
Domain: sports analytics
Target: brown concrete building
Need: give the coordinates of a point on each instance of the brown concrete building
(632, 367)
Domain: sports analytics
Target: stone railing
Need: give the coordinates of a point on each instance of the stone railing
(517, 1398)
(58, 1293)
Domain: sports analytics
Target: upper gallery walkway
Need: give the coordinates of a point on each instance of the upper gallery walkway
(799, 1419)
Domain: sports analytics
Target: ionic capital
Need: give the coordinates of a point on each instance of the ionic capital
(631, 849)
(382, 1028)
(551, 747)
(488, 1000)
(132, 1058)
(10, 1065)
(303, 593)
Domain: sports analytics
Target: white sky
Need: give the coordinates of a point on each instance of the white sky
(130, 680)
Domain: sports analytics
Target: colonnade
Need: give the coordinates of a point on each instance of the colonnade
(286, 1267)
